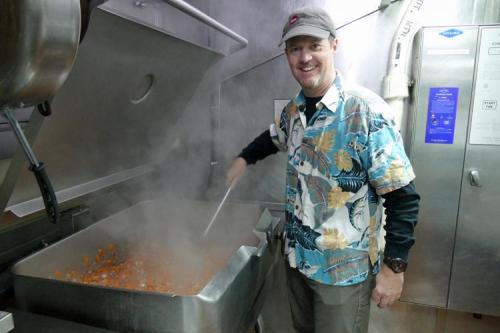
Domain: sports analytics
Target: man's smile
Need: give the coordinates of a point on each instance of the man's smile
(308, 68)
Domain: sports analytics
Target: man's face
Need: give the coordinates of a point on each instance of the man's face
(311, 62)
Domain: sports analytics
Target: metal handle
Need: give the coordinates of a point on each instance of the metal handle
(18, 132)
(474, 178)
(48, 195)
(44, 108)
(199, 15)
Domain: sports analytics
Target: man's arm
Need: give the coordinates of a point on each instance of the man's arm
(261, 147)
(401, 208)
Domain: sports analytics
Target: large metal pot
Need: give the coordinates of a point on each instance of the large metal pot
(39, 40)
(242, 244)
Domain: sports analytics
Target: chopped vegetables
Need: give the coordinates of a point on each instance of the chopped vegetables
(138, 272)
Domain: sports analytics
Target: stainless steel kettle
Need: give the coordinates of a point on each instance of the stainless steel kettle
(38, 40)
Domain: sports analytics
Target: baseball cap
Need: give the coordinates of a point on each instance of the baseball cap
(310, 21)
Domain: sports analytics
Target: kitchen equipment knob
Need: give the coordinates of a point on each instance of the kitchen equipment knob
(474, 178)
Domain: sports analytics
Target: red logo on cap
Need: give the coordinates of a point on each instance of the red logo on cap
(293, 19)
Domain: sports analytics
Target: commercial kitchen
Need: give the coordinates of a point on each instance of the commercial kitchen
(120, 118)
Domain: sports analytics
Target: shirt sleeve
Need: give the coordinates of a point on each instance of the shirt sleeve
(401, 209)
(259, 148)
(279, 130)
(388, 165)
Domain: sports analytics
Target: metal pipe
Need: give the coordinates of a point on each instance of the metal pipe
(199, 15)
(14, 124)
(396, 82)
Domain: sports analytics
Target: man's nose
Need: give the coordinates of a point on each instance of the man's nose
(305, 56)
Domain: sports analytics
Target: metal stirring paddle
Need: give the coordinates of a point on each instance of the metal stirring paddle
(218, 210)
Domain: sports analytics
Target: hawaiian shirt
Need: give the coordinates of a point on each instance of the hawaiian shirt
(338, 166)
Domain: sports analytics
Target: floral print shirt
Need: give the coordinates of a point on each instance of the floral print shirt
(339, 164)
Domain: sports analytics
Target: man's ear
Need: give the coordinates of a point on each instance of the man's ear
(334, 44)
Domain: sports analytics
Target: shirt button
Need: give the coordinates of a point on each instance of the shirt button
(301, 163)
(296, 206)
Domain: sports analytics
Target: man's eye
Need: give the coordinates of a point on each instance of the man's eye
(316, 46)
(294, 49)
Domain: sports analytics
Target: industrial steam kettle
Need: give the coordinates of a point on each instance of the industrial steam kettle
(39, 41)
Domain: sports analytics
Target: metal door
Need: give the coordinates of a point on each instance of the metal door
(444, 61)
(475, 274)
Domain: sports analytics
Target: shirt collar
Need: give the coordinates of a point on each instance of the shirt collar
(329, 100)
(335, 93)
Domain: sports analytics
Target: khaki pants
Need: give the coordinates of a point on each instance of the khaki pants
(320, 308)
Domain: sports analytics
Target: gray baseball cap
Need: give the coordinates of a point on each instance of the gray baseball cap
(309, 21)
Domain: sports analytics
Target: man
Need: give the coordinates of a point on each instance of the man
(343, 156)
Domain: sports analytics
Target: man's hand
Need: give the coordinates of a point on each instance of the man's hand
(388, 288)
(236, 170)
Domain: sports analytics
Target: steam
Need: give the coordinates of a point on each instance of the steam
(168, 232)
